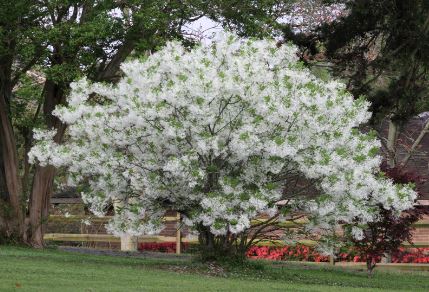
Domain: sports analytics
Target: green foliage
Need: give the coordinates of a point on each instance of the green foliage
(26, 102)
(247, 18)
(381, 48)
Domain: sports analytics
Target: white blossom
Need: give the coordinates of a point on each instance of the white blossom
(215, 133)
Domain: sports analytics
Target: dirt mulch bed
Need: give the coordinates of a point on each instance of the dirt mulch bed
(207, 269)
(134, 254)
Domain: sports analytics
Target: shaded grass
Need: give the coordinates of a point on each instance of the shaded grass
(24, 269)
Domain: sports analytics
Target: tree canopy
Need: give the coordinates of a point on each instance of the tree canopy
(381, 47)
(220, 133)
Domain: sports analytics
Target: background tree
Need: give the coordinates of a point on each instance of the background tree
(380, 49)
(19, 23)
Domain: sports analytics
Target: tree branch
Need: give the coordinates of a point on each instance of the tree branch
(415, 144)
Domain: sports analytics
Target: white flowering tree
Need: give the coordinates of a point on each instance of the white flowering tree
(221, 133)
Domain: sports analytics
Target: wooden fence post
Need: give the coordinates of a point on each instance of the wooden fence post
(178, 234)
(331, 260)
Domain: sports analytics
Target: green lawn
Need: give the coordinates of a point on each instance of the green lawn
(51, 270)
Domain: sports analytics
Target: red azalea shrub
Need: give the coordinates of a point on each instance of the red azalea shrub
(301, 252)
(411, 255)
(168, 247)
(297, 252)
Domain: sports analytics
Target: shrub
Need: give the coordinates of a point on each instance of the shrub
(306, 253)
(411, 255)
(219, 133)
(297, 252)
(384, 236)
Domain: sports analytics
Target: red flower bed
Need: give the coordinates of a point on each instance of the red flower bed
(168, 247)
(305, 253)
(286, 253)
(411, 255)
(301, 252)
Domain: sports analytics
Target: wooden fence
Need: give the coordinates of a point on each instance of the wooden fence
(178, 239)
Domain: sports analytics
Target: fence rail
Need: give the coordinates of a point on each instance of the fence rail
(69, 237)
(109, 238)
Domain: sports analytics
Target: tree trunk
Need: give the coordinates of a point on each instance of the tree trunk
(4, 195)
(39, 203)
(27, 134)
(206, 243)
(12, 193)
(44, 176)
(128, 242)
(415, 144)
(391, 143)
(370, 265)
(220, 247)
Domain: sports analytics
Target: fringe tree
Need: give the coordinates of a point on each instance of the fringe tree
(221, 133)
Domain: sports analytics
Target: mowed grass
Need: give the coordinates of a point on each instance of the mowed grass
(24, 269)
